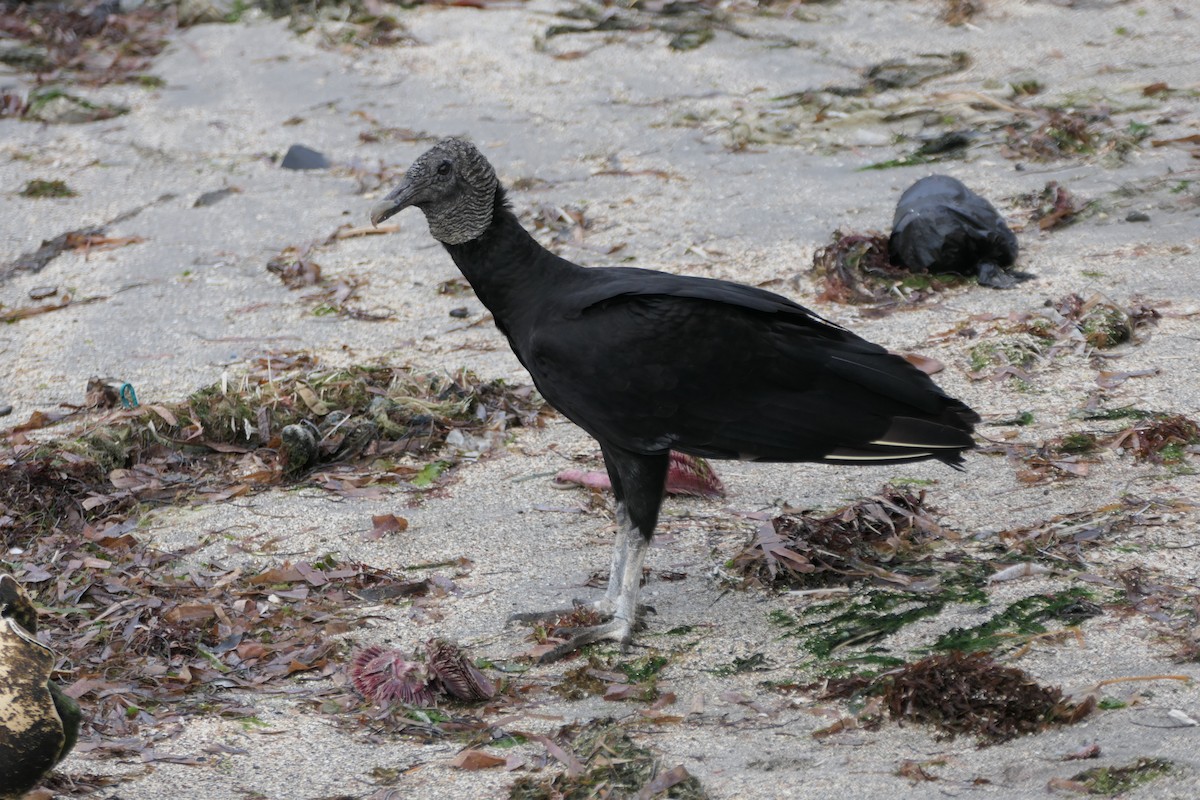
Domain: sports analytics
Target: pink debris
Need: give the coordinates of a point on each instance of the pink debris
(686, 475)
(386, 677)
(456, 674)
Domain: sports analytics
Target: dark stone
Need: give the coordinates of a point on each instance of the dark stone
(5, 409)
(300, 157)
(212, 198)
(1137, 216)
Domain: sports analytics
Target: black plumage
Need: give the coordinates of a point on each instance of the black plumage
(648, 362)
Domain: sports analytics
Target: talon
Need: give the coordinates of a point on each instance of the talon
(601, 607)
(619, 630)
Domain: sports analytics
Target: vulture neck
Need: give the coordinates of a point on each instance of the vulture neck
(507, 268)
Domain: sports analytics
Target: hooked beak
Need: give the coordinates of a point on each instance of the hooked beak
(396, 201)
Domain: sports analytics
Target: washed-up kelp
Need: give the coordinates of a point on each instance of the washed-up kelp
(602, 761)
(228, 439)
(960, 693)
(858, 542)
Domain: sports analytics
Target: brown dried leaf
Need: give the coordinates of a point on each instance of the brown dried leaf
(565, 757)
(386, 523)
(314, 403)
(930, 366)
(1190, 139)
(190, 613)
(456, 674)
(285, 574)
(476, 759)
(663, 782)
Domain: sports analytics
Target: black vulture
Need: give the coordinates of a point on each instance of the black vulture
(649, 362)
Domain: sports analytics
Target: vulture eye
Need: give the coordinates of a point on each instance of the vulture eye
(444, 168)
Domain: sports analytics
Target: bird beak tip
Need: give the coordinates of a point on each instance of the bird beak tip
(382, 210)
(394, 202)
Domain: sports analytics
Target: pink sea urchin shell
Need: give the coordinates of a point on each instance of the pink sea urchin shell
(457, 675)
(386, 677)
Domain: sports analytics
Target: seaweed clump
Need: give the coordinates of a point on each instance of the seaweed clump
(1070, 324)
(856, 268)
(1162, 439)
(602, 761)
(963, 693)
(1051, 134)
(1053, 207)
(969, 694)
(857, 542)
(232, 438)
(1102, 323)
(40, 188)
(1111, 781)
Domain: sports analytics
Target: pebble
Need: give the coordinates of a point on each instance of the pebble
(300, 157)
(212, 198)
(1137, 216)
(5, 409)
(42, 292)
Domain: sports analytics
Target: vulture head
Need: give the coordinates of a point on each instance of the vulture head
(453, 184)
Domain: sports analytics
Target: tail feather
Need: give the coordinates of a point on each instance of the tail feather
(874, 453)
(926, 434)
(915, 439)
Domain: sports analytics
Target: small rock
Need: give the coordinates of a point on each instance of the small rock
(460, 313)
(5, 409)
(1137, 216)
(299, 445)
(300, 157)
(1182, 718)
(42, 292)
(212, 198)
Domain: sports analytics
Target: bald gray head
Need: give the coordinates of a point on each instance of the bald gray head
(453, 184)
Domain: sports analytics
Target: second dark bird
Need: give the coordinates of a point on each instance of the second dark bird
(648, 362)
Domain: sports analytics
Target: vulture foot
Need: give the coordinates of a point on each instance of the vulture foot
(617, 630)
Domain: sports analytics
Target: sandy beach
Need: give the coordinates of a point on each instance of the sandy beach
(733, 152)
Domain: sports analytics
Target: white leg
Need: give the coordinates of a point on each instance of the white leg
(638, 481)
(616, 569)
(631, 579)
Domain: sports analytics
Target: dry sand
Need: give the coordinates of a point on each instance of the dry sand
(194, 301)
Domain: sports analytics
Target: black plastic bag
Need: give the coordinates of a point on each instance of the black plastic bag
(942, 226)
